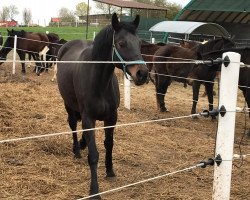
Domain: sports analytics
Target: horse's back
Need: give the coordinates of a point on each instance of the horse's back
(73, 49)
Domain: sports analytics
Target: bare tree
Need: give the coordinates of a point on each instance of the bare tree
(27, 16)
(66, 15)
(13, 11)
(4, 13)
(107, 9)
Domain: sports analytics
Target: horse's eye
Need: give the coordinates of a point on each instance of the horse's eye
(122, 44)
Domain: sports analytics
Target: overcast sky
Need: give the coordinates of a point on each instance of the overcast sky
(43, 10)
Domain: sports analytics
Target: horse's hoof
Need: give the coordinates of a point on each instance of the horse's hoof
(97, 197)
(77, 156)
(110, 174)
(164, 109)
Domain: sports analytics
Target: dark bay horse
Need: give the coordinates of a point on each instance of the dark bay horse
(204, 73)
(148, 50)
(162, 80)
(27, 42)
(244, 75)
(201, 72)
(90, 90)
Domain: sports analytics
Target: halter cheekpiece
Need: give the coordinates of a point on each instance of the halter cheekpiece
(124, 63)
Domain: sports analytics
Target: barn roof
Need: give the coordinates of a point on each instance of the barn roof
(217, 11)
(188, 27)
(131, 4)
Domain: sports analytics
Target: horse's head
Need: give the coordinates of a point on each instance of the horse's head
(127, 48)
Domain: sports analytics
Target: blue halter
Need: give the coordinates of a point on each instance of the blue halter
(124, 63)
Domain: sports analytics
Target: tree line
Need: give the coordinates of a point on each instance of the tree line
(10, 12)
(81, 9)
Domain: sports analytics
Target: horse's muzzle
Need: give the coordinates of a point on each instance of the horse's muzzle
(139, 73)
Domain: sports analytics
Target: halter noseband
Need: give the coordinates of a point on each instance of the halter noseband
(124, 63)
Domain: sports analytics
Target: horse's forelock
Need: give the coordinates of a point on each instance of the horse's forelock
(128, 26)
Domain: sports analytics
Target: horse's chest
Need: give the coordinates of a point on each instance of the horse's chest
(101, 107)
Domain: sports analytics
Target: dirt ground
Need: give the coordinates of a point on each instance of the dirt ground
(45, 168)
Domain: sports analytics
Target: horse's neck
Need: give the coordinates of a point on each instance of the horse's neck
(103, 75)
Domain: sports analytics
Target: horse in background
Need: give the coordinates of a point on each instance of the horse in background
(204, 74)
(148, 50)
(91, 91)
(244, 75)
(27, 42)
(191, 44)
(164, 71)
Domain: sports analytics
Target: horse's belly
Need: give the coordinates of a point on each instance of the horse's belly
(66, 87)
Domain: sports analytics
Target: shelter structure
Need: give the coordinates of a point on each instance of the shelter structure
(132, 5)
(233, 15)
(198, 31)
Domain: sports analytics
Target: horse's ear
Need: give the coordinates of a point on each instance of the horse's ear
(137, 20)
(115, 22)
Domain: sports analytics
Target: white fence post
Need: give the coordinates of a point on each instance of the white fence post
(14, 56)
(226, 126)
(127, 92)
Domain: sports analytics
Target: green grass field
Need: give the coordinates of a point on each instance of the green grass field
(67, 33)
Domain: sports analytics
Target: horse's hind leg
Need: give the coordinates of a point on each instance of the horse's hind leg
(22, 57)
(161, 89)
(196, 89)
(209, 88)
(72, 120)
(108, 143)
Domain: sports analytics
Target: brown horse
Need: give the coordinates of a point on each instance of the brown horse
(165, 70)
(27, 42)
(148, 50)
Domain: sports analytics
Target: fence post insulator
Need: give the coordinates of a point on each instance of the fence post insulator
(210, 161)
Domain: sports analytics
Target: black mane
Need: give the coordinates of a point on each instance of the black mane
(213, 45)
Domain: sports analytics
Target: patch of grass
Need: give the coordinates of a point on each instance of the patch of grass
(67, 32)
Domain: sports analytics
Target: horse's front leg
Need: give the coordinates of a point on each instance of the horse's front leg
(196, 90)
(21, 55)
(93, 154)
(108, 143)
(161, 89)
(209, 88)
